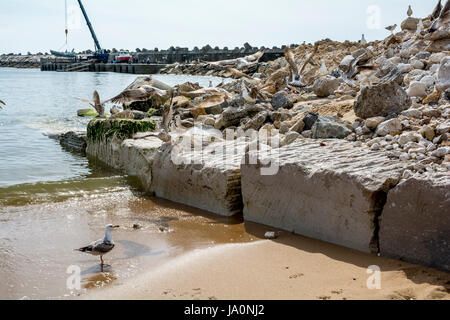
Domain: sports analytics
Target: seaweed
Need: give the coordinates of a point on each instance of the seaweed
(101, 129)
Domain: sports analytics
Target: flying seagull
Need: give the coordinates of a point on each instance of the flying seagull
(391, 28)
(409, 12)
(1, 102)
(96, 104)
(101, 246)
(436, 11)
(142, 93)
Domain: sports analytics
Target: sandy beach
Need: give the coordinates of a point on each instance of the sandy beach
(291, 268)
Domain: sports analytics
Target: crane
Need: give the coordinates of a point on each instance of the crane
(100, 54)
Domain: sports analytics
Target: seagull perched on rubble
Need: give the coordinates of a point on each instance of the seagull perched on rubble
(391, 28)
(409, 12)
(443, 18)
(101, 246)
(363, 40)
(96, 104)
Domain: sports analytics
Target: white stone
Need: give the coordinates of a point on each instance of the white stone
(412, 113)
(441, 152)
(392, 127)
(429, 81)
(417, 64)
(417, 89)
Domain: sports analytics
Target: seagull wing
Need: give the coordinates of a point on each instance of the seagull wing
(103, 247)
(167, 115)
(1, 102)
(86, 101)
(131, 95)
(97, 104)
(437, 11)
(445, 10)
(289, 56)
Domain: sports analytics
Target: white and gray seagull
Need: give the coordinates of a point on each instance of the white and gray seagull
(101, 246)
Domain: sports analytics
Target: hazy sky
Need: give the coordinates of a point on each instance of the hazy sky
(30, 25)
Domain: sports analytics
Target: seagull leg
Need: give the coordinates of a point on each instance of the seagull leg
(101, 264)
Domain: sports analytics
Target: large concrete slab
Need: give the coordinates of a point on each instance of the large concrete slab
(134, 157)
(334, 193)
(204, 179)
(415, 225)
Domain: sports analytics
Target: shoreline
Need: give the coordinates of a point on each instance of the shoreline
(290, 268)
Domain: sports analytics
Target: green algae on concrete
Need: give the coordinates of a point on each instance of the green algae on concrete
(104, 129)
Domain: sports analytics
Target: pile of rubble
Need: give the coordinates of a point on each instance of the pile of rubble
(391, 95)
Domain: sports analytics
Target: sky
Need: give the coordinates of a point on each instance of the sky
(38, 26)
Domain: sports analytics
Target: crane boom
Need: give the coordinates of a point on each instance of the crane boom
(91, 29)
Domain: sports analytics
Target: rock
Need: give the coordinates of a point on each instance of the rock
(298, 127)
(432, 97)
(443, 79)
(436, 58)
(87, 113)
(307, 134)
(408, 137)
(381, 100)
(326, 127)
(73, 140)
(309, 120)
(418, 233)
(443, 128)
(441, 152)
(372, 123)
(346, 62)
(412, 113)
(332, 193)
(428, 81)
(410, 24)
(200, 178)
(325, 86)
(417, 64)
(417, 89)
(232, 116)
(392, 127)
(431, 112)
(281, 99)
(270, 235)
(290, 138)
(428, 133)
(284, 128)
(134, 157)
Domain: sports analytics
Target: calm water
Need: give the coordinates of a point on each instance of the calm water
(41, 103)
(52, 200)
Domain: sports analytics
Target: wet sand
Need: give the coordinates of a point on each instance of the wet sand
(37, 241)
(181, 253)
(292, 267)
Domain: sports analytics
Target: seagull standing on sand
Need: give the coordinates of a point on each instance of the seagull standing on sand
(391, 28)
(409, 12)
(101, 246)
